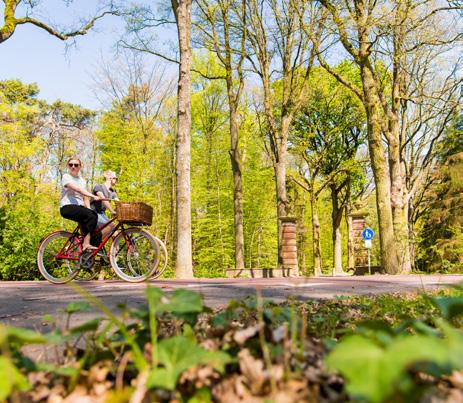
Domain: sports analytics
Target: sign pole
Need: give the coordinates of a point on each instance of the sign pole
(369, 262)
(368, 235)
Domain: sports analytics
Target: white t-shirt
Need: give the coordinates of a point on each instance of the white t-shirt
(69, 196)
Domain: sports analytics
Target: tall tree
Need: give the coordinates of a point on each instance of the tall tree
(222, 34)
(327, 134)
(184, 264)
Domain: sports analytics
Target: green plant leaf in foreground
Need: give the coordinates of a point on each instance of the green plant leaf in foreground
(183, 301)
(373, 371)
(176, 355)
(17, 336)
(79, 306)
(183, 304)
(450, 307)
(89, 326)
(11, 379)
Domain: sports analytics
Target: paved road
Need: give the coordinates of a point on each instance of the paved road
(24, 303)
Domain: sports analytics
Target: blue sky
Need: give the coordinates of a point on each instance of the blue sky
(32, 55)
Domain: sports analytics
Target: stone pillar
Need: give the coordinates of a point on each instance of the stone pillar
(289, 247)
(358, 225)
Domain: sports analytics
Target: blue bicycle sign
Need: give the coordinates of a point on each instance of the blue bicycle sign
(368, 234)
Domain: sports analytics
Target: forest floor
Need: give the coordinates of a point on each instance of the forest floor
(24, 303)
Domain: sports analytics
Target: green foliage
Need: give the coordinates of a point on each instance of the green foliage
(131, 142)
(441, 225)
(326, 139)
(33, 140)
(14, 92)
(260, 222)
(373, 370)
(212, 183)
(378, 361)
(181, 302)
(329, 129)
(11, 379)
(178, 354)
(450, 307)
(25, 223)
(12, 339)
(212, 200)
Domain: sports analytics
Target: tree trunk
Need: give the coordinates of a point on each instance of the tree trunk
(219, 212)
(336, 216)
(184, 266)
(389, 249)
(350, 240)
(317, 254)
(398, 200)
(396, 140)
(411, 234)
(173, 187)
(302, 236)
(235, 156)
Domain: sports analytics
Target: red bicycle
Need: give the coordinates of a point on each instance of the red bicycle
(134, 253)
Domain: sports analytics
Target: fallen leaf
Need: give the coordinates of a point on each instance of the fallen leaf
(233, 390)
(253, 370)
(456, 379)
(279, 334)
(241, 336)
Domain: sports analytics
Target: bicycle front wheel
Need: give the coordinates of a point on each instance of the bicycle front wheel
(54, 257)
(134, 255)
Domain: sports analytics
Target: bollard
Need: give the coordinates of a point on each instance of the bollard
(289, 247)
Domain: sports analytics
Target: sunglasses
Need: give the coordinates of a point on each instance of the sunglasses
(114, 179)
(73, 165)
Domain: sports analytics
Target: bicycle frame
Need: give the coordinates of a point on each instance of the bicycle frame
(63, 253)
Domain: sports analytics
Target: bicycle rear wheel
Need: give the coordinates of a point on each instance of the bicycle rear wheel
(53, 268)
(134, 255)
(163, 260)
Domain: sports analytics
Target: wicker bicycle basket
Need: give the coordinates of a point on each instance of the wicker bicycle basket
(134, 213)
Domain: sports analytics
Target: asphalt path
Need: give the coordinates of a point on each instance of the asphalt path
(23, 303)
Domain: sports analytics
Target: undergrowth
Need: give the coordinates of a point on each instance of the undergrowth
(401, 348)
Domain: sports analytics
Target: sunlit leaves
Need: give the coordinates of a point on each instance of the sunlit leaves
(176, 355)
(11, 378)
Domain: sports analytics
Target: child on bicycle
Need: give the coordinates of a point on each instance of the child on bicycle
(74, 203)
(105, 191)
